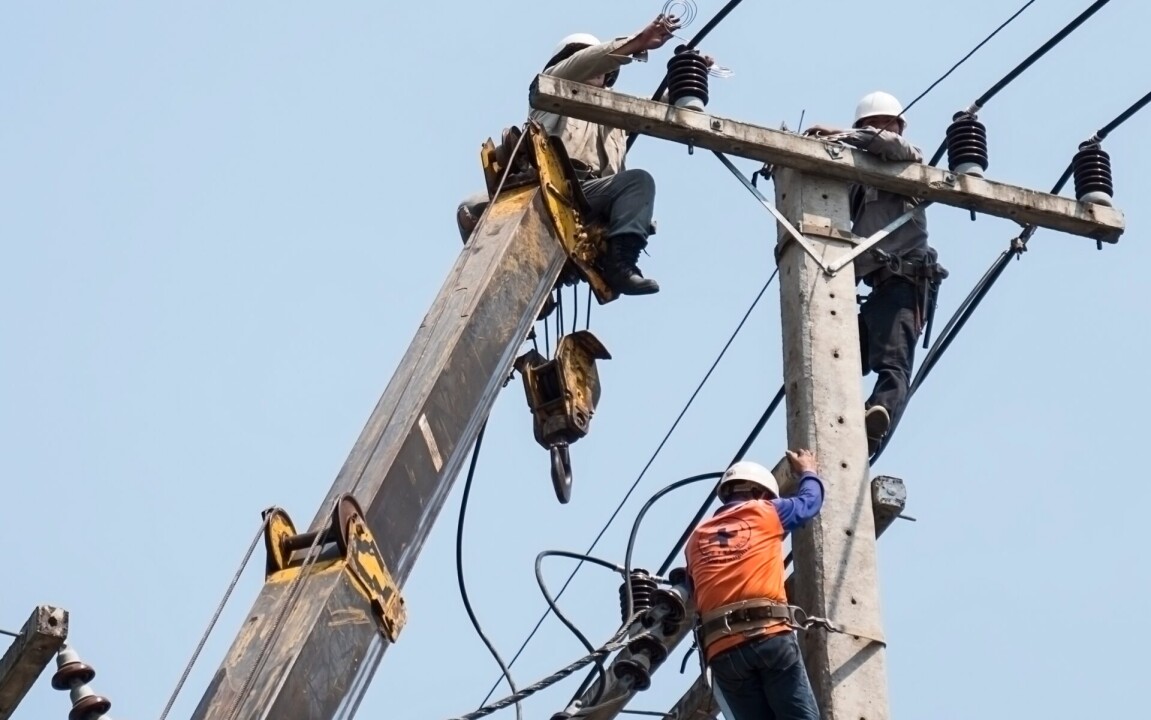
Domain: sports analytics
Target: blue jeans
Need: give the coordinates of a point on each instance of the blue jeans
(765, 680)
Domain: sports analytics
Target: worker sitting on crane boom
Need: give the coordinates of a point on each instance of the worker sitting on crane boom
(623, 198)
(735, 562)
(901, 269)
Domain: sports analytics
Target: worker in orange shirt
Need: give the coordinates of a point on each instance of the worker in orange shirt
(735, 562)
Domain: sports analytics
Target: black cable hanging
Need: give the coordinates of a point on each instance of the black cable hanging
(507, 674)
(600, 668)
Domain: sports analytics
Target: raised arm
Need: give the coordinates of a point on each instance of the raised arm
(602, 59)
(885, 144)
(592, 61)
(795, 511)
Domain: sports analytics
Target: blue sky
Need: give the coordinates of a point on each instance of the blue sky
(223, 222)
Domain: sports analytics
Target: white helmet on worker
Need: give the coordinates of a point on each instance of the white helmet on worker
(572, 44)
(576, 39)
(752, 473)
(878, 103)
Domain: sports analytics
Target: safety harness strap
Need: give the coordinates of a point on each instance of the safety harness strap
(741, 617)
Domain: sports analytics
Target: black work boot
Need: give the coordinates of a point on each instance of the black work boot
(619, 266)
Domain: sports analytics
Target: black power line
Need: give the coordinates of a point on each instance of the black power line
(1021, 67)
(957, 65)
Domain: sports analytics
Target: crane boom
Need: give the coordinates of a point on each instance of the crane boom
(317, 630)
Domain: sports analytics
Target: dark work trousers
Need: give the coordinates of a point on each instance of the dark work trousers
(625, 201)
(889, 327)
(765, 680)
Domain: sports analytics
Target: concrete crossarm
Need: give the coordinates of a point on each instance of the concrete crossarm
(24, 661)
(819, 157)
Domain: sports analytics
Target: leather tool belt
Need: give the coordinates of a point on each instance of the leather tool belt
(742, 617)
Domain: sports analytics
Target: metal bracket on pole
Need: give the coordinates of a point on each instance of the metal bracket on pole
(861, 246)
(795, 234)
(873, 240)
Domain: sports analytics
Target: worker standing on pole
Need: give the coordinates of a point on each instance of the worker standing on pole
(901, 269)
(623, 198)
(735, 562)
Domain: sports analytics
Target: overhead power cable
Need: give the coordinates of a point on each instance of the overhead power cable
(975, 297)
(956, 66)
(1018, 70)
(643, 472)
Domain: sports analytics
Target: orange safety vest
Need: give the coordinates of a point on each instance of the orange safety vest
(734, 556)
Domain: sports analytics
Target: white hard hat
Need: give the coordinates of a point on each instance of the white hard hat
(746, 471)
(576, 39)
(878, 103)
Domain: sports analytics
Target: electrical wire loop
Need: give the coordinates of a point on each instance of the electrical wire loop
(683, 11)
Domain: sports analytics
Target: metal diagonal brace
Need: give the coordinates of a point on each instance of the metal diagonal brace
(873, 240)
(847, 259)
(797, 235)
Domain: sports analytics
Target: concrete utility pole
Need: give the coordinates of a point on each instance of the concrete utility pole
(835, 566)
(836, 574)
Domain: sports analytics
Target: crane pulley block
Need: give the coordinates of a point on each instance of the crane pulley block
(546, 163)
(562, 395)
(344, 545)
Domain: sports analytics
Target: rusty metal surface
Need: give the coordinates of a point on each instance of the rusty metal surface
(30, 652)
(401, 468)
